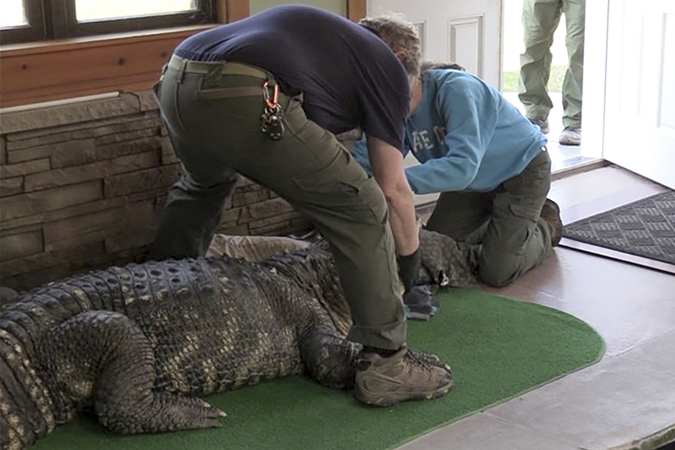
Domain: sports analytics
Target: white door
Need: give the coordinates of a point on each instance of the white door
(465, 32)
(639, 132)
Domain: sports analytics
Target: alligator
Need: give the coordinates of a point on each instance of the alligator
(138, 346)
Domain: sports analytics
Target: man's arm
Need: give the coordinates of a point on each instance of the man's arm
(388, 170)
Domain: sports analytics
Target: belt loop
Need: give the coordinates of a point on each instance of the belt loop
(181, 71)
(164, 68)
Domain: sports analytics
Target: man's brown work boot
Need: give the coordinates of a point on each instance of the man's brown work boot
(385, 381)
(550, 212)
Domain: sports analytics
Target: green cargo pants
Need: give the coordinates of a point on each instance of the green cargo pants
(509, 236)
(540, 20)
(213, 120)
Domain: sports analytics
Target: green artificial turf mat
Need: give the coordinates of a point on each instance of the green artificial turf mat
(498, 348)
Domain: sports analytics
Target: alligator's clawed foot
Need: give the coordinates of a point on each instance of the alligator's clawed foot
(187, 413)
(167, 412)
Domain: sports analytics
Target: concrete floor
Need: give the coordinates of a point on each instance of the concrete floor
(626, 400)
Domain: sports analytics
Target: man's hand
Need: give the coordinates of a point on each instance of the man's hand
(420, 303)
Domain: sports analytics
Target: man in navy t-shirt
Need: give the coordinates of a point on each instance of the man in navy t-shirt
(264, 97)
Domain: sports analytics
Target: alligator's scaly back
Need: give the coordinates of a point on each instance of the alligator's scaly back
(313, 269)
(132, 342)
(32, 371)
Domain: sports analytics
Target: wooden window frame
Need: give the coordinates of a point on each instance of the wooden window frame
(56, 19)
(54, 70)
(37, 29)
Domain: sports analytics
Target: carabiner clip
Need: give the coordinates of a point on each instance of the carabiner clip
(272, 102)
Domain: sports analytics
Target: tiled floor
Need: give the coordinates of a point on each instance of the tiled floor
(627, 400)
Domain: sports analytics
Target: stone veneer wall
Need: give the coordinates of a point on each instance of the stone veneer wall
(81, 186)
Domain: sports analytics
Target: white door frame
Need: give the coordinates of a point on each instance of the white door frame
(595, 71)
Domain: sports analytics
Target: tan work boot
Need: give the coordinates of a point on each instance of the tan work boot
(385, 381)
(550, 212)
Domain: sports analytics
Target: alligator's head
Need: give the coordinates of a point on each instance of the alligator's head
(446, 262)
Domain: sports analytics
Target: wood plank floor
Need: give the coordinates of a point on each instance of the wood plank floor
(623, 402)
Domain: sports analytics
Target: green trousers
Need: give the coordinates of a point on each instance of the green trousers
(216, 135)
(504, 225)
(540, 20)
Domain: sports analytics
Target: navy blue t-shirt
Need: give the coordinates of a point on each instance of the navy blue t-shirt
(348, 76)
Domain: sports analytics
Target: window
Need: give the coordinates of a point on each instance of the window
(18, 19)
(14, 15)
(32, 20)
(88, 10)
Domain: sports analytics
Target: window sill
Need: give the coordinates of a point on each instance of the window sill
(55, 70)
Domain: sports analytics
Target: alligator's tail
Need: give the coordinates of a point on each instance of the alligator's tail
(25, 405)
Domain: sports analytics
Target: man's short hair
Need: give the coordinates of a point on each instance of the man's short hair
(401, 36)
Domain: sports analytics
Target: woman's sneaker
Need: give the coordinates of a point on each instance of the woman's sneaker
(403, 376)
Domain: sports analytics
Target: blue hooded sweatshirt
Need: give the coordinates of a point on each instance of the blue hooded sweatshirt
(466, 136)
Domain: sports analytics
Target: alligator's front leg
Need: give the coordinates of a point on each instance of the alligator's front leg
(102, 358)
(329, 358)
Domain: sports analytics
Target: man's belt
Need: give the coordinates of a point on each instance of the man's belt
(227, 67)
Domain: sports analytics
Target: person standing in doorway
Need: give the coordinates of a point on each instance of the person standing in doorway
(264, 97)
(540, 20)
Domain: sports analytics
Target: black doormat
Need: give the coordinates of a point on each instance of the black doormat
(645, 228)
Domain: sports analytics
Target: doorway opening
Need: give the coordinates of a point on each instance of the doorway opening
(563, 157)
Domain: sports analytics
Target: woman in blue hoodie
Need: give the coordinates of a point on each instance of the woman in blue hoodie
(490, 166)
